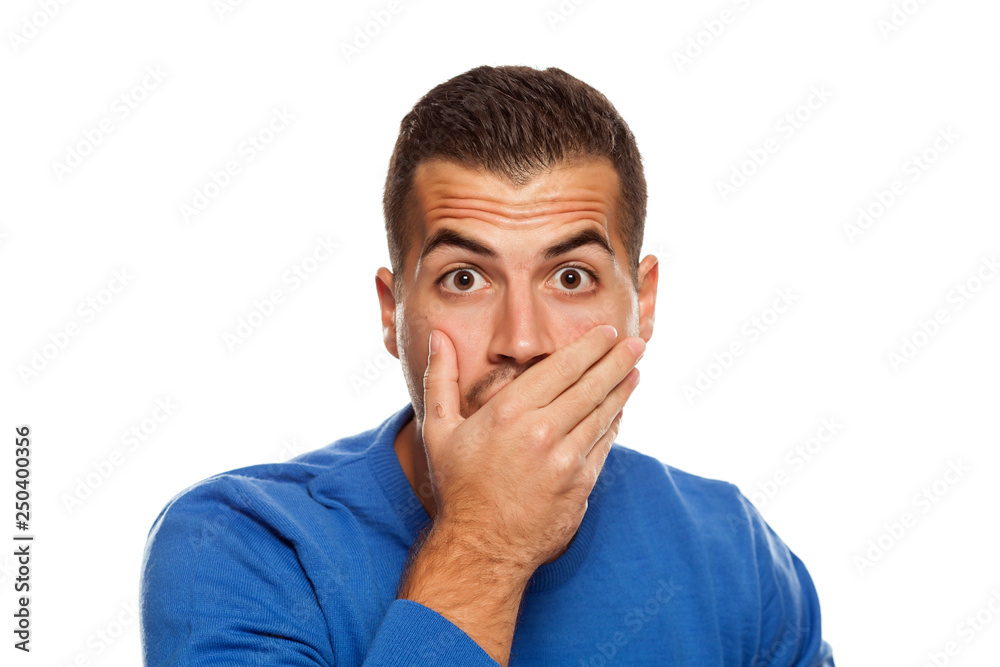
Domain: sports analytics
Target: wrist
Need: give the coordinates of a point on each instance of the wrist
(470, 543)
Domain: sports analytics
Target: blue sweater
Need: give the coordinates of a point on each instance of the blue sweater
(298, 563)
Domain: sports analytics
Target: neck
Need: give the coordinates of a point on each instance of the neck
(409, 446)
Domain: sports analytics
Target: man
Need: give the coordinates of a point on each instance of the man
(492, 519)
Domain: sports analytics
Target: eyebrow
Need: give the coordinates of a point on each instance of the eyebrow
(450, 238)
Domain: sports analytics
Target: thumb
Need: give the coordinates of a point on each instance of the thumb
(441, 393)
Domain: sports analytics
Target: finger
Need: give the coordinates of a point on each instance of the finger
(441, 392)
(575, 404)
(588, 433)
(598, 454)
(542, 383)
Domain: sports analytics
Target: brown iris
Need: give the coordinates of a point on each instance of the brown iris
(463, 280)
(570, 278)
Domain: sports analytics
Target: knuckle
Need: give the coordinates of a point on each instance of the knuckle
(604, 431)
(563, 366)
(564, 462)
(504, 413)
(612, 431)
(541, 433)
(623, 390)
(623, 360)
(591, 389)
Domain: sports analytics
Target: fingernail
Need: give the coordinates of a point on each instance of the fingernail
(433, 343)
(638, 346)
(611, 332)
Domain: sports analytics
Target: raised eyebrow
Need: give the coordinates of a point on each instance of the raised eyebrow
(449, 237)
(583, 238)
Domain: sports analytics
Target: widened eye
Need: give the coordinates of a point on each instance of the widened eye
(574, 279)
(462, 281)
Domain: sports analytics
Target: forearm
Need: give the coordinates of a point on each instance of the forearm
(462, 578)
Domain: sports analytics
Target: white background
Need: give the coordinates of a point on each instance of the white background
(298, 382)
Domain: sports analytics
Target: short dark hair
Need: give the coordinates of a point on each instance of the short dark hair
(515, 122)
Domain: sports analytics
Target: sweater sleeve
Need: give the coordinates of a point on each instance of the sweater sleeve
(790, 627)
(222, 586)
(412, 634)
(219, 587)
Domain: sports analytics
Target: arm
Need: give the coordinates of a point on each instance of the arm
(479, 594)
(219, 588)
(790, 621)
(223, 587)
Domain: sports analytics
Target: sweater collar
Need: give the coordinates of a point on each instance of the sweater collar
(386, 469)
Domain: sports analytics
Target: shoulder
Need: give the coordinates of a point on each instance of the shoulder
(246, 523)
(653, 481)
(237, 489)
(275, 496)
(711, 515)
(274, 483)
(766, 584)
(225, 569)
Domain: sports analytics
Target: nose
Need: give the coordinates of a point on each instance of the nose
(522, 334)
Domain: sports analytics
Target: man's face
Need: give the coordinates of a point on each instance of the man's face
(511, 274)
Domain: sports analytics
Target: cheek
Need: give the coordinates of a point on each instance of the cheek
(471, 338)
(412, 332)
(468, 330)
(572, 320)
(466, 327)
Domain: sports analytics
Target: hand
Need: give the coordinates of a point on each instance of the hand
(513, 479)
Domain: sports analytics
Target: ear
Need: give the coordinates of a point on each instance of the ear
(649, 273)
(387, 305)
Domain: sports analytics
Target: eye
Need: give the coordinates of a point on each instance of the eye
(575, 278)
(461, 280)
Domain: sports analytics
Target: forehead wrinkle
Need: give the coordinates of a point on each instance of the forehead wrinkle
(527, 220)
(455, 197)
(521, 211)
